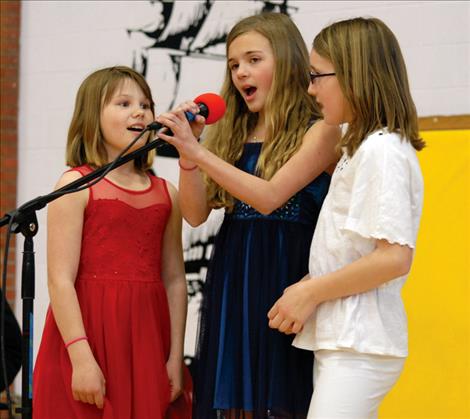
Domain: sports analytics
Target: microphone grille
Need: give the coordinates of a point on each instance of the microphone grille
(215, 106)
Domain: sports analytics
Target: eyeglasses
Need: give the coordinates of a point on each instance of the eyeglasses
(314, 76)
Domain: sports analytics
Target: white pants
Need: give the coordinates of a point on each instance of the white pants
(351, 385)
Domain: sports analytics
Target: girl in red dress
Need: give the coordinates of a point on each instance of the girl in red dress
(112, 346)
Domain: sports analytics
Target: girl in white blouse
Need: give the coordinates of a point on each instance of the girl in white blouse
(348, 310)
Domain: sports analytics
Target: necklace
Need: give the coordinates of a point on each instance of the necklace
(255, 139)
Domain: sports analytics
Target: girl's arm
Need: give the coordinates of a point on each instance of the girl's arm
(192, 190)
(316, 154)
(174, 279)
(64, 234)
(386, 262)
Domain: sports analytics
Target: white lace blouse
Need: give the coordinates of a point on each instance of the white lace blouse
(376, 194)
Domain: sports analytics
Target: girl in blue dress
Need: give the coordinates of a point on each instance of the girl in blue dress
(266, 162)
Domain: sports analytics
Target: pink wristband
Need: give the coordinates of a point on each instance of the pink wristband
(187, 168)
(71, 342)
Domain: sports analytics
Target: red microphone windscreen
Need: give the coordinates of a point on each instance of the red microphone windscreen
(215, 106)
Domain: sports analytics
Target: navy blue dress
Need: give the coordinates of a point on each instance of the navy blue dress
(241, 364)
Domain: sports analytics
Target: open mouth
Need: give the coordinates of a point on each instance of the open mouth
(135, 128)
(250, 91)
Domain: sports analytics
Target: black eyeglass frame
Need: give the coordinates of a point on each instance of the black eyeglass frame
(314, 76)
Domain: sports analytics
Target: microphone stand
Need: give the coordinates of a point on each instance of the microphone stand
(23, 220)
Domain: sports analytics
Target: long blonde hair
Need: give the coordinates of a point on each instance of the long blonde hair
(372, 74)
(288, 107)
(85, 142)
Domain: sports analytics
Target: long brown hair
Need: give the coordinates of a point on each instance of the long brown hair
(289, 108)
(85, 142)
(372, 74)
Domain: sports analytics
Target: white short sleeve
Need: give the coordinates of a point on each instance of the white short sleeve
(386, 196)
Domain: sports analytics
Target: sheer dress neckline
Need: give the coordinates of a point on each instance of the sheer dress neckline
(132, 191)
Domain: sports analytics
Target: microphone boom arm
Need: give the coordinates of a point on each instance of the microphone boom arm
(41, 201)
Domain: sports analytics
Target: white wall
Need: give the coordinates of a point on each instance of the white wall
(63, 41)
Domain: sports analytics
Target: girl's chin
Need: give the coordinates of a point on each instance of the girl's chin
(141, 140)
(253, 107)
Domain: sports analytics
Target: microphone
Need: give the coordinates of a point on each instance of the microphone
(211, 106)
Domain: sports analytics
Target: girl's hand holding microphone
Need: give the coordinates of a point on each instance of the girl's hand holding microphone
(207, 108)
(184, 134)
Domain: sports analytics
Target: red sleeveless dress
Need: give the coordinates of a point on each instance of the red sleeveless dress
(124, 308)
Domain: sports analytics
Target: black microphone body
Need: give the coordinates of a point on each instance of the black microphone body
(203, 111)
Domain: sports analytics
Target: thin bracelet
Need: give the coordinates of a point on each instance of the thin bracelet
(71, 342)
(188, 169)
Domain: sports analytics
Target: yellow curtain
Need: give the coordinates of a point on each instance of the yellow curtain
(435, 382)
